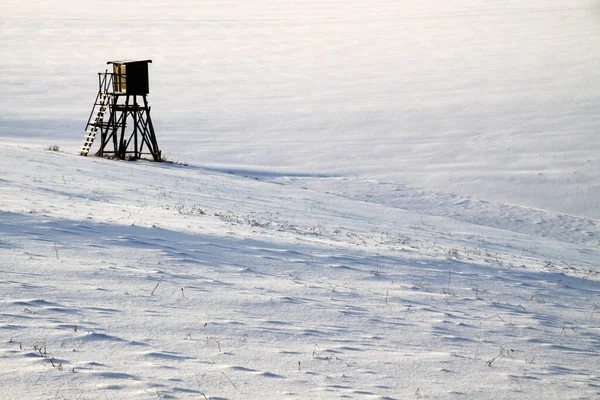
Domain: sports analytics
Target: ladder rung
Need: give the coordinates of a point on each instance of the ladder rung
(96, 121)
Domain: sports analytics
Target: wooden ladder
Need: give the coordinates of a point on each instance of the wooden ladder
(95, 121)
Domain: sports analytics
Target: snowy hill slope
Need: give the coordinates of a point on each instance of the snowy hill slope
(142, 280)
(384, 200)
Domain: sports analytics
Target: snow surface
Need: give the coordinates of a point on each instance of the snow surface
(144, 280)
(380, 199)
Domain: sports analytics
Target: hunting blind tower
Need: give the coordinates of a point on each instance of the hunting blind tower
(122, 120)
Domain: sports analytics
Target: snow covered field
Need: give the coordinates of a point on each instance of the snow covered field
(381, 200)
(142, 280)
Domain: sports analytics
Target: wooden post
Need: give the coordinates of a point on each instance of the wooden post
(135, 128)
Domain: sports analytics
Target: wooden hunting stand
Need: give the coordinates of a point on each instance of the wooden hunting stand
(117, 98)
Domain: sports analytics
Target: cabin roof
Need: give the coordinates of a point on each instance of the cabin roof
(129, 61)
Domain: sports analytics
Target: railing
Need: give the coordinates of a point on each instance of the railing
(109, 82)
(105, 85)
